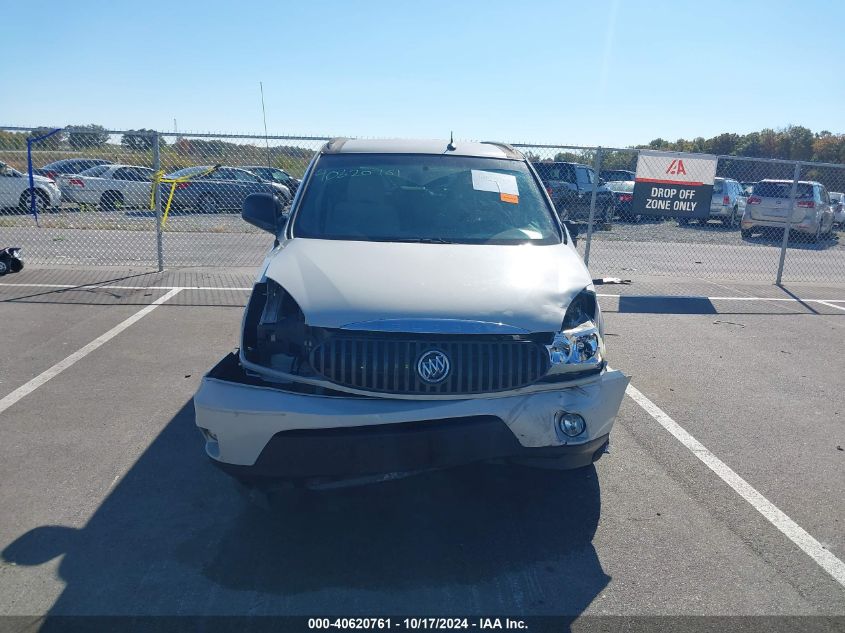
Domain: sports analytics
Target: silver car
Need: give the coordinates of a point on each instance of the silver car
(728, 202)
(769, 206)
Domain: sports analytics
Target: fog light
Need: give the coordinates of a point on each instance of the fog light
(570, 424)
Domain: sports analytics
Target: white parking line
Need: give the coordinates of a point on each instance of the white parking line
(794, 532)
(95, 286)
(831, 305)
(59, 367)
(699, 297)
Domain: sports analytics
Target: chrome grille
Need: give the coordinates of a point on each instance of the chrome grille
(388, 364)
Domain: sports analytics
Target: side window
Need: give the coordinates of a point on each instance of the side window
(246, 176)
(221, 174)
(824, 195)
(124, 173)
(583, 176)
(137, 175)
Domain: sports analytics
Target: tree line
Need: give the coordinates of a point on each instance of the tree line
(794, 142)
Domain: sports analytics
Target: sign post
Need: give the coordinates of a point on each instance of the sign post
(673, 184)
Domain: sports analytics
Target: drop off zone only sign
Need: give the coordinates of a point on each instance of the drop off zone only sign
(673, 184)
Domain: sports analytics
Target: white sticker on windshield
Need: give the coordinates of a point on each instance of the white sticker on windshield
(504, 184)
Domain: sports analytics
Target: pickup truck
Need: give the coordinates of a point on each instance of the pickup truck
(570, 186)
(112, 187)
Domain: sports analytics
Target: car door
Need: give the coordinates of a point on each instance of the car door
(226, 187)
(826, 218)
(10, 189)
(740, 198)
(252, 184)
(584, 178)
(137, 185)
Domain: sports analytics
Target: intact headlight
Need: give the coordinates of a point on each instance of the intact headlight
(579, 346)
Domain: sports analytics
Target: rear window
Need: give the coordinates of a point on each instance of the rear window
(555, 171)
(620, 185)
(718, 185)
(96, 172)
(617, 174)
(783, 190)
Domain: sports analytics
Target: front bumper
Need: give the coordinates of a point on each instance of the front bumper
(254, 430)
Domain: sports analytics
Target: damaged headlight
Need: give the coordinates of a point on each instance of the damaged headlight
(579, 346)
(274, 330)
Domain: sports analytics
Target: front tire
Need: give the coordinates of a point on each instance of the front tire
(42, 202)
(111, 201)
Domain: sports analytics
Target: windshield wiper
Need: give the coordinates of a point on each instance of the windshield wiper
(423, 240)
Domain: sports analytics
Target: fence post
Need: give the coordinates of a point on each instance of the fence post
(795, 176)
(156, 168)
(596, 170)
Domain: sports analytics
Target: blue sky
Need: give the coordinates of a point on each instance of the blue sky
(610, 72)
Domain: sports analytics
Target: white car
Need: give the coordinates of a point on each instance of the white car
(110, 187)
(15, 190)
(423, 307)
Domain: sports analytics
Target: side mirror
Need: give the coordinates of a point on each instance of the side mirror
(262, 210)
(572, 228)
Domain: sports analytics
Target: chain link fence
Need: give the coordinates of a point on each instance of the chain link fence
(101, 209)
(743, 237)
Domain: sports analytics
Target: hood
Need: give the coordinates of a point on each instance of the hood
(341, 283)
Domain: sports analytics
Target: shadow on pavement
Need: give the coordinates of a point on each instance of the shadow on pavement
(661, 304)
(175, 538)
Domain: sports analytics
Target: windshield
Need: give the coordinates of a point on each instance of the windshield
(420, 198)
(274, 174)
(6, 170)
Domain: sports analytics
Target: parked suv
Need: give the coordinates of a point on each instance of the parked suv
(570, 186)
(727, 203)
(423, 307)
(769, 205)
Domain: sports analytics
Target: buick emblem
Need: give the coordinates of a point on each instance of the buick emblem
(433, 366)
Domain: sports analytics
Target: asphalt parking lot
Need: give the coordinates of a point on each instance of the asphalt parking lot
(110, 507)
